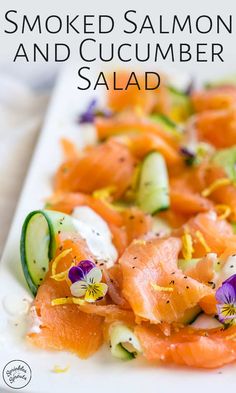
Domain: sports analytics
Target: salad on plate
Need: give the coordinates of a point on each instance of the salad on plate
(136, 247)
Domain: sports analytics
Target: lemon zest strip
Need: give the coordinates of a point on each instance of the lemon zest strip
(104, 193)
(63, 275)
(161, 289)
(67, 300)
(58, 258)
(215, 185)
(202, 240)
(225, 211)
(58, 370)
(187, 246)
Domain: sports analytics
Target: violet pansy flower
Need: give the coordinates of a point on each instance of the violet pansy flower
(226, 299)
(88, 116)
(86, 281)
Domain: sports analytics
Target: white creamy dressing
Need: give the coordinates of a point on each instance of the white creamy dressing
(97, 234)
(228, 269)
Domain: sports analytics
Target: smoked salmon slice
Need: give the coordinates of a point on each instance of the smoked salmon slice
(144, 99)
(214, 99)
(152, 283)
(144, 143)
(107, 165)
(203, 271)
(213, 126)
(66, 203)
(195, 348)
(132, 124)
(209, 233)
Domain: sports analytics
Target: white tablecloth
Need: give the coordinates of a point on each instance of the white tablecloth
(21, 113)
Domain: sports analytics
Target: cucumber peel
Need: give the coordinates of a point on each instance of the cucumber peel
(38, 243)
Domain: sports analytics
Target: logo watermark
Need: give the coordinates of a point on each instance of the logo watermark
(17, 374)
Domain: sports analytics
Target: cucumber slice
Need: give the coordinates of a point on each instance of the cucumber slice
(185, 264)
(153, 188)
(204, 321)
(38, 243)
(123, 342)
(181, 104)
(226, 159)
(190, 315)
(167, 124)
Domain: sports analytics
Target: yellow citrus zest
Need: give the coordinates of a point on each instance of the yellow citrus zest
(215, 185)
(58, 258)
(58, 370)
(223, 211)
(67, 300)
(187, 246)
(161, 289)
(104, 193)
(202, 240)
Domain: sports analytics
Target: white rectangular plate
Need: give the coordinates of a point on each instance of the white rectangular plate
(101, 373)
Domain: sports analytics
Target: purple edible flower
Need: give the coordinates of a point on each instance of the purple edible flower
(186, 152)
(79, 272)
(86, 281)
(189, 89)
(226, 299)
(92, 111)
(89, 115)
